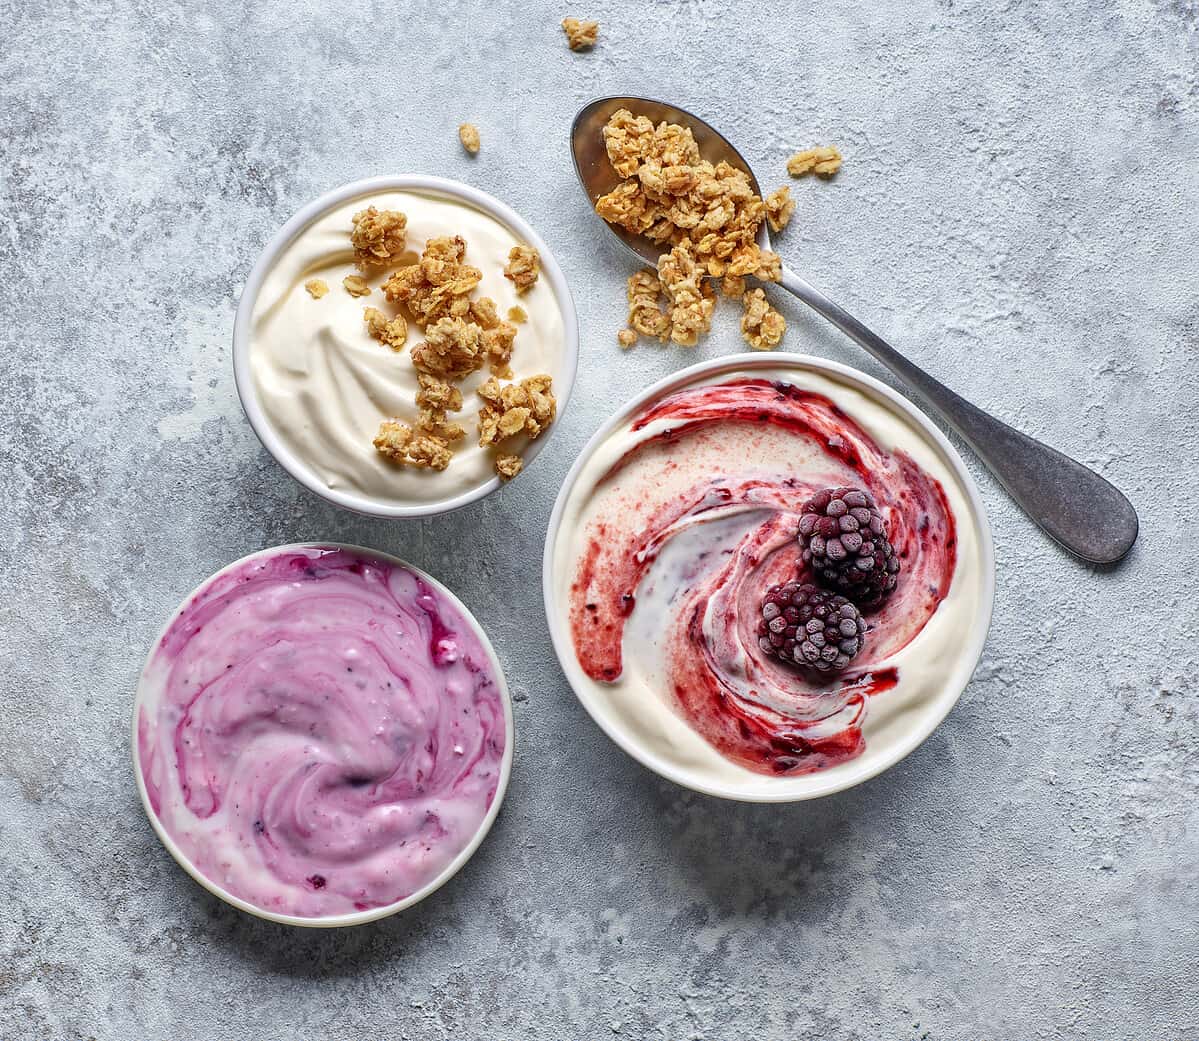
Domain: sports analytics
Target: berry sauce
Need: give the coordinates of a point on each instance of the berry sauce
(685, 522)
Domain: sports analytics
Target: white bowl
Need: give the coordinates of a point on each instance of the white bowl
(243, 326)
(375, 913)
(760, 788)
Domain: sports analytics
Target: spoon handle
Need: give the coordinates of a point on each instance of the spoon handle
(1081, 510)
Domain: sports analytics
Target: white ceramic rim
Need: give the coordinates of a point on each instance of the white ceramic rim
(375, 913)
(817, 784)
(243, 323)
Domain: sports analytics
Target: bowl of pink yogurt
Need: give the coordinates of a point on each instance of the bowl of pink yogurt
(679, 519)
(322, 735)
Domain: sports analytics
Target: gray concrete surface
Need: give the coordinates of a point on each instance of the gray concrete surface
(1019, 209)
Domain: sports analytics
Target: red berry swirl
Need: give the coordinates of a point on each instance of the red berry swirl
(693, 523)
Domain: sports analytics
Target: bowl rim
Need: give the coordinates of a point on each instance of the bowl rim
(560, 637)
(243, 377)
(374, 913)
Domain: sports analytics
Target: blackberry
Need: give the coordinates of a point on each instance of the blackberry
(805, 625)
(844, 540)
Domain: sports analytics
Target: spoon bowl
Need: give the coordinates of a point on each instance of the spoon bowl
(598, 178)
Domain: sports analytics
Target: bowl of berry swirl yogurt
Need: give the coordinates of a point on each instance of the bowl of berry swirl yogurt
(322, 735)
(769, 578)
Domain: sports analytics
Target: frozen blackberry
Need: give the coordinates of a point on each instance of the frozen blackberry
(844, 540)
(805, 625)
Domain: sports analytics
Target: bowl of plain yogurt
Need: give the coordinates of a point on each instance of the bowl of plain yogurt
(314, 383)
(322, 735)
(683, 512)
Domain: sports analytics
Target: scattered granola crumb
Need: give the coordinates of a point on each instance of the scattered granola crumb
(452, 349)
(508, 466)
(779, 208)
(317, 287)
(580, 35)
(523, 267)
(390, 331)
(356, 285)
(626, 338)
(468, 134)
(761, 326)
(526, 407)
(378, 237)
(439, 285)
(406, 447)
(733, 286)
(518, 314)
(823, 161)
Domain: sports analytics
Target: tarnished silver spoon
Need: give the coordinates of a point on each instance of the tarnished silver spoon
(1081, 510)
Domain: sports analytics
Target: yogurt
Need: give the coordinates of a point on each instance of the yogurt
(324, 384)
(320, 731)
(685, 514)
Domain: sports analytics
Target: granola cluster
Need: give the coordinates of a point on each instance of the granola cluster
(408, 447)
(468, 134)
(436, 399)
(378, 237)
(391, 331)
(645, 315)
(823, 161)
(705, 217)
(523, 267)
(512, 409)
(779, 208)
(580, 34)
(463, 334)
(761, 325)
(438, 285)
(452, 349)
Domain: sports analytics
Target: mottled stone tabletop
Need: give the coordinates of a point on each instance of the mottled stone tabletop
(1018, 209)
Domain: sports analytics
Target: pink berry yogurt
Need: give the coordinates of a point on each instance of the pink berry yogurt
(321, 731)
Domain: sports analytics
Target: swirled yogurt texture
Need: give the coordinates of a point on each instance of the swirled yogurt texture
(320, 731)
(688, 513)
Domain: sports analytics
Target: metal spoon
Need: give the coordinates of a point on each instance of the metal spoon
(1081, 510)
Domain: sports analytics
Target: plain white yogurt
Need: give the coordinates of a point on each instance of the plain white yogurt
(324, 384)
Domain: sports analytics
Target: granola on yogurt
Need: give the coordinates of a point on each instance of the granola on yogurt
(356, 285)
(408, 447)
(527, 407)
(391, 331)
(523, 267)
(462, 334)
(378, 237)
